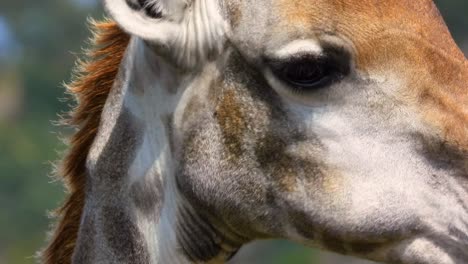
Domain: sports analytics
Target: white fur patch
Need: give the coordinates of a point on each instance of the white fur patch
(149, 98)
(192, 32)
(308, 46)
(136, 23)
(381, 180)
(148, 106)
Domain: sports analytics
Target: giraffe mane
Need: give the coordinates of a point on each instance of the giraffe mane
(90, 86)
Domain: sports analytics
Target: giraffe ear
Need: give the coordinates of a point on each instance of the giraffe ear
(190, 30)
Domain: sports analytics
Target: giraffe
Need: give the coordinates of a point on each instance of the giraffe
(203, 125)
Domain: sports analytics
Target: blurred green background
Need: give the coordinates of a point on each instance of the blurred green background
(38, 43)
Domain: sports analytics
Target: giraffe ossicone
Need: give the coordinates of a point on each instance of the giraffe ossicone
(208, 124)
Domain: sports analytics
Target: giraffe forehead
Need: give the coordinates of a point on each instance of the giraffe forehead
(357, 15)
(358, 21)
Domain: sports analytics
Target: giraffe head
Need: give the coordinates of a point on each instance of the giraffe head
(341, 124)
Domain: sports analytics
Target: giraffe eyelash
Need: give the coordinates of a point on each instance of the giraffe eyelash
(309, 72)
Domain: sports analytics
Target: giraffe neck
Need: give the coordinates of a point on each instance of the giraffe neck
(133, 212)
(151, 97)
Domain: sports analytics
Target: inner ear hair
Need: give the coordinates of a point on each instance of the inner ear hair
(169, 24)
(150, 7)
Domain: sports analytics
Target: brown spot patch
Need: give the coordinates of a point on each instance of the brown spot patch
(283, 167)
(123, 236)
(232, 122)
(234, 12)
(147, 195)
(119, 151)
(442, 154)
(270, 153)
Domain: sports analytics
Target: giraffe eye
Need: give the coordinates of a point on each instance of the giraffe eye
(309, 72)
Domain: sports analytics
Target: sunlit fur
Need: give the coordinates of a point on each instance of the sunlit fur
(93, 80)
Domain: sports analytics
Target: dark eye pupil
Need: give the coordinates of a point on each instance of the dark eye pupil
(305, 73)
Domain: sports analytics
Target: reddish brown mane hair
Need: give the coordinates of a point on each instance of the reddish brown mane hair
(93, 80)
